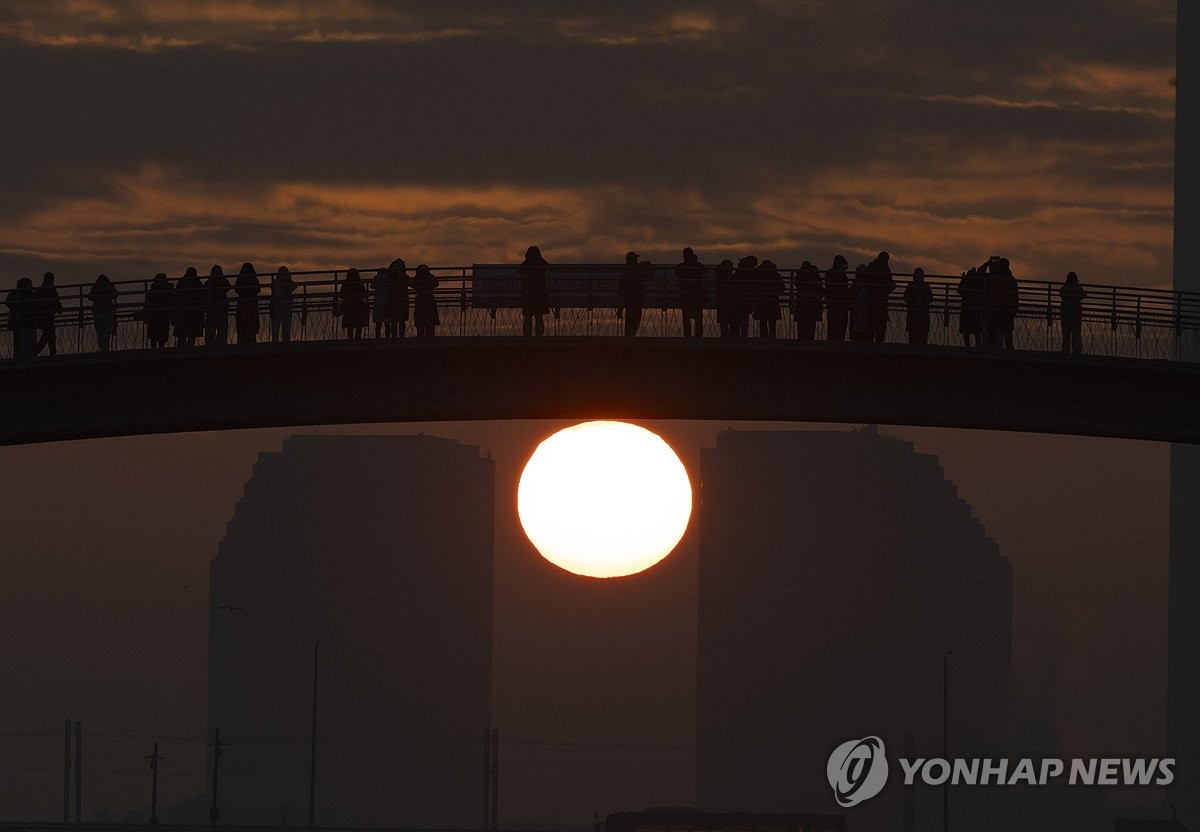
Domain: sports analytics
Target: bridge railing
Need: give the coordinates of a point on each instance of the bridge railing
(1117, 321)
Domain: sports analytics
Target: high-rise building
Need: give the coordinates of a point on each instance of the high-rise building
(380, 548)
(836, 570)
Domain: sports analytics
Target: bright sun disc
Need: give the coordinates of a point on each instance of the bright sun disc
(604, 499)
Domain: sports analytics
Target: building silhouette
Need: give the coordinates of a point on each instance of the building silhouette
(381, 549)
(835, 570)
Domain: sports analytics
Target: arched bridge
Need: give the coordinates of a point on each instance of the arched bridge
(1136, 380)
(476, 378)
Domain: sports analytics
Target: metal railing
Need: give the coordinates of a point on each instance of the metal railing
(584, 300)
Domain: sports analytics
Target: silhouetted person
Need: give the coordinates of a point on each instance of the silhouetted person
(839, 300)
(46, 305)
(379, 293)
(353, 305)
(103, 295)
(918, 299)
(970, 315)
(21, 320)
(766, 303)
(745, 286)
(283, 301)
(724, 299)
(216, 320)
(631, 289)
(535, 292)
(1070, 310)
(395, 311)
(879, 272)
(860, 320)
(1008, 299)
(188, 307)
(806, 304)
(247, 288)
(156, 311)
(425, 309)
(690, 274)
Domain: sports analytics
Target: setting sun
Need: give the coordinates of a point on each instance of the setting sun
(604, 499)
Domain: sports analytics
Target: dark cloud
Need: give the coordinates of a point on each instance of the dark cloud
(669, 121)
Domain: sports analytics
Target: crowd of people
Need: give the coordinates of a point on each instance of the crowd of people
(854, 305)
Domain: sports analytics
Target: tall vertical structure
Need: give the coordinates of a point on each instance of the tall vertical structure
(1183, 615)
(836, 569)
(381, 549)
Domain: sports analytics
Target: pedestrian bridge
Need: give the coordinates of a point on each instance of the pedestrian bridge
(487, 378)
(1138, 379)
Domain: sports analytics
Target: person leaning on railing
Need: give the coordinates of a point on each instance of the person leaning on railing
(1070, 311)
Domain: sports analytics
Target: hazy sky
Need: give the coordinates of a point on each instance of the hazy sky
(157, 134)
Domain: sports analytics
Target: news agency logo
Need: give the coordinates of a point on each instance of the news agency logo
(857, 771)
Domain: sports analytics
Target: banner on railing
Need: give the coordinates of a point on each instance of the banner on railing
(579, 287)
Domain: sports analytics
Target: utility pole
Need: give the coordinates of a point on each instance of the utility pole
(78, 772)
(214, 813)
(495, 778)
(487, 778)
(153, 758)
(909, 822)
(946, 737)
(312, 754)
(67, 775)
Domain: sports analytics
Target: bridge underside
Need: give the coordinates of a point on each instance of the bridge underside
(461, 379)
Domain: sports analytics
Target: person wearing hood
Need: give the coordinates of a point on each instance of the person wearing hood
(283, 301)
(425, 307)
(1070, 310)
(766, 302)
(839, 299)
(103, 296)
(190, 300)
(918, 300)
(216, 319)
(631, 290)
(690, 274)
(21, 318)
(247, 288)
(806, 302)
(156, 311)
(535, 292)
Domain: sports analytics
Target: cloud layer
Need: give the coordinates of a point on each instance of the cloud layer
(156, 134)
